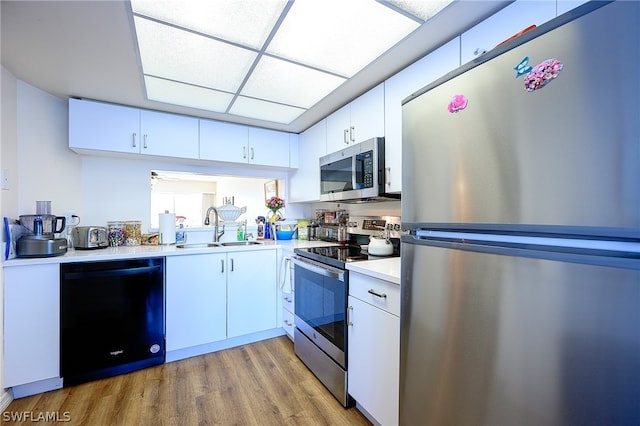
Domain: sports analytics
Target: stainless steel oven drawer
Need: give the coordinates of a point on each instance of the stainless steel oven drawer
(323, 367)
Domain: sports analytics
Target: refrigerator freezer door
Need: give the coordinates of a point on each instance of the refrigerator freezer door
(490, 339)
(565, 154)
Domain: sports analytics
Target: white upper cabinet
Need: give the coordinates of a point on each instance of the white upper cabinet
(168, 135)
(220, 141)
(237, 143)
(399, 87)
(357, 121)
(567, 5)
(304, 184)
(504, 24)
(103, 127)
(268, 147)
(115, 128)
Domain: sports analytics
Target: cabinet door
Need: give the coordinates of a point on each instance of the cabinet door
(103, 127)
(399, 87)
(564, 6)
(503, 24)
(195, 300)
(223, 141)
(31, 323)
(268, 147)
(367, 115)
(374, 360)
(251, 292)
(338, 126)
(169, 135)
(304, 184)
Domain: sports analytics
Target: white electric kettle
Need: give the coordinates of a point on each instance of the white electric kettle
(380, 246)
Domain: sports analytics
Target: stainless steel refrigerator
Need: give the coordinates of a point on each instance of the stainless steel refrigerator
(521, 271)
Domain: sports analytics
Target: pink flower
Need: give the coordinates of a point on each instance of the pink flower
(458, 103)
(542, 74)
(274, 203)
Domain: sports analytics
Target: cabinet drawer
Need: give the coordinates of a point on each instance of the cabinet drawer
(288, 302)
(376, 292)
(288, 322)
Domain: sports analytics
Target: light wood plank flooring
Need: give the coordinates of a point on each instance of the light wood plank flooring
(263, 383)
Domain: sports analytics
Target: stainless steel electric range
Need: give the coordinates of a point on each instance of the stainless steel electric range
(322, 289)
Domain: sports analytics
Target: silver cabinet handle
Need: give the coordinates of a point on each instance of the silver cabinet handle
(345, 138)
(349, 310)
(144, 145)
(387, 177)
(134, 140)
(222, 266)
(380, 295)
(352, 133)
(231, 264)
(287, 299)
(252, 156)
(244, 152)
(288, 323)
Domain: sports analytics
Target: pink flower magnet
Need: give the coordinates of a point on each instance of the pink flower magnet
(458, 103)
(542, 74)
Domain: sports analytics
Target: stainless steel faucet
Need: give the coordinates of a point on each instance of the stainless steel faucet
(216, 234)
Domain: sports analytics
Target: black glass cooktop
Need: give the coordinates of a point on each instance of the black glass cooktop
(337, 255)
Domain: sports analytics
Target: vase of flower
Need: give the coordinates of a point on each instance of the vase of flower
(275, 205)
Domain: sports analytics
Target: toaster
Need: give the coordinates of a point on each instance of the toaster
(89, 237)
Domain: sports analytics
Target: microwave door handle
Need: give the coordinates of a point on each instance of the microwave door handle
(354, 172)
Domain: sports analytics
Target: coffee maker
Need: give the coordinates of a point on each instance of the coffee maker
(40, 240)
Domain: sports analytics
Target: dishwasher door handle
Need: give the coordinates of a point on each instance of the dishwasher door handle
(111, 272)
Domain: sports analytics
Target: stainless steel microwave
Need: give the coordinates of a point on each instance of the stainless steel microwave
(355, 173)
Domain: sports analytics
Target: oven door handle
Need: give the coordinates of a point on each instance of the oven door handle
(319, 268)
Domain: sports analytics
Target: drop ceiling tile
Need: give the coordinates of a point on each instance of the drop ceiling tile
(337, 35)
(263, 110)
(175, 93)
(183, 56)
(421, 9)
(287, 83)
(247, 22)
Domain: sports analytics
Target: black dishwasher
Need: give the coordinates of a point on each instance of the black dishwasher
(111, 318)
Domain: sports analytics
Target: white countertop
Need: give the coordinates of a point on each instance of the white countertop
(133, 252)
(384, 269)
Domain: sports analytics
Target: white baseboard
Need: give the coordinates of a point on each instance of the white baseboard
(179, 354)
(5, 400)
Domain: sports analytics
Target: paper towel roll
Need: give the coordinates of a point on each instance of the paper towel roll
(167, 228)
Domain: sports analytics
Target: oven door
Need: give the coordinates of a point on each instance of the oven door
(321, 305)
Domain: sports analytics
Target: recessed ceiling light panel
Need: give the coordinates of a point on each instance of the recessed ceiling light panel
(263, 110)
(287, 83)
(183, 56)
(337, 35)
(246, 22)
(175, 93)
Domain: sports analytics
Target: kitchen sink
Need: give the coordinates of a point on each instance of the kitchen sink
(226, 244)
(198, 245)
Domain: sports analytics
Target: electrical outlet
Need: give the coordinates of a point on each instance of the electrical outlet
(4, 179)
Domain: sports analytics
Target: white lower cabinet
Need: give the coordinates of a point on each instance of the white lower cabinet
(287, 293)
(251, 291)
(31, 324)
(196, 300)
(214, 296)
(374, 346)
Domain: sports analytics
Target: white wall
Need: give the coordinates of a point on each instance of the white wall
(47, 169)
(8, 199)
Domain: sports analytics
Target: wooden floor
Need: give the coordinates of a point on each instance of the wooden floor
(263, 383)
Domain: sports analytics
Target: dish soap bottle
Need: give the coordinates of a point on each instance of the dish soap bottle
(240, 233)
